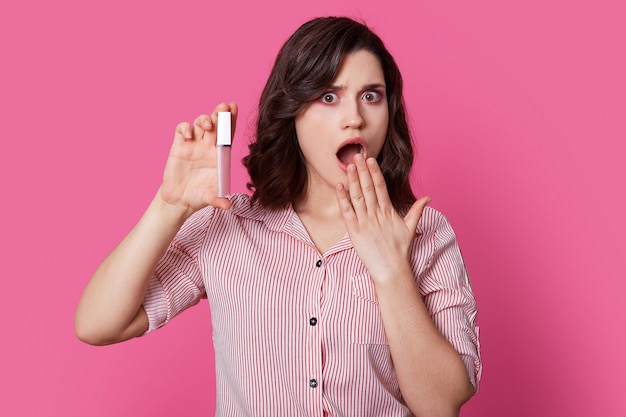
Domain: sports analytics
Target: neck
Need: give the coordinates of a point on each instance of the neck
(318, 203)
(320, 215)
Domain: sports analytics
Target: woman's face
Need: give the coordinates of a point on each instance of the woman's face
(351, 117)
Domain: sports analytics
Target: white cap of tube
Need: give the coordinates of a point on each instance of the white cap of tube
(223, 129)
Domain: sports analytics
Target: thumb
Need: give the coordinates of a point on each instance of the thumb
(415, 213)
(234, 112)
(219, 202)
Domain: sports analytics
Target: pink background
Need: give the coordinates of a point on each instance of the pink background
(519, 109)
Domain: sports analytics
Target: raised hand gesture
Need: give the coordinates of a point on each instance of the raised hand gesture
(190, 177)
(380, 236)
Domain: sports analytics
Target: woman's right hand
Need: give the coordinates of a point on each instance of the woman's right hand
(190, 177)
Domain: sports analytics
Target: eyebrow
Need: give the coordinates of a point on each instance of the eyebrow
(365, 87)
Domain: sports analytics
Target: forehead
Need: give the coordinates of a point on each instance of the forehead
(359, 67)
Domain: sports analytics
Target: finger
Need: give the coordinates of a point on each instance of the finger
(201, 126)
(219, 202)
(380, 186)
(219, 108)
(366, 182)
(223, 107)
(345, 206)
(355, 194)
(183, 132)
(234, 112)
(412, 218)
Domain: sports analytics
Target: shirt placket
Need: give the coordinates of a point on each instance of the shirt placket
(314, 346)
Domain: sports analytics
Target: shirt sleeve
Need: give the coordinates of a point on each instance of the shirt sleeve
(447, 293)
(177, 281)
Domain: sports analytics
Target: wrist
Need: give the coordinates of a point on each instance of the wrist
(393, 273)
(168, 212)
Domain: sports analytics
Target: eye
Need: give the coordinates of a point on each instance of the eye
(372, 96)
(329, 98)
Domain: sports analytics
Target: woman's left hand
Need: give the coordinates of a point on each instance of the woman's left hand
(380, 236)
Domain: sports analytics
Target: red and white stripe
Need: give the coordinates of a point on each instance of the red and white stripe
(259, 270)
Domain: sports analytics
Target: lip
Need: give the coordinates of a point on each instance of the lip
(351, 141)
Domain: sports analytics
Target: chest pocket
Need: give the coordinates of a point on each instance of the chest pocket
(367, 326)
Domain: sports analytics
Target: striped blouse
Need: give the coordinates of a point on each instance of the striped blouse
(296, 332)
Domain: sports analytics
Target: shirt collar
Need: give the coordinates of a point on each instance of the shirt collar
(283, 220)
(274, 219)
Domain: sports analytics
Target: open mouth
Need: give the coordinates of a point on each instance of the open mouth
(346, 153)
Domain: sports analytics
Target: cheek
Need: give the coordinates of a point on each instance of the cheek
(378, 115)
(386, 114)
(381, 123)
(309, 123)
(302, 132)
(305, 140)
(381, 126)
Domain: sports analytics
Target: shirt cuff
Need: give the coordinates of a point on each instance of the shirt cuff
(473, 363)
(155, 304)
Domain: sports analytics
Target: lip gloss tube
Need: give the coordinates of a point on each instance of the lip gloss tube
(224, 141)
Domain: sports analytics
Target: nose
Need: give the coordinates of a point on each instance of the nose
(352, 115)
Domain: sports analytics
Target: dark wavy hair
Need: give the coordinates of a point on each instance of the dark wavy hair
(304, 68)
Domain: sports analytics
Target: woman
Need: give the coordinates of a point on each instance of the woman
(332, 290)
